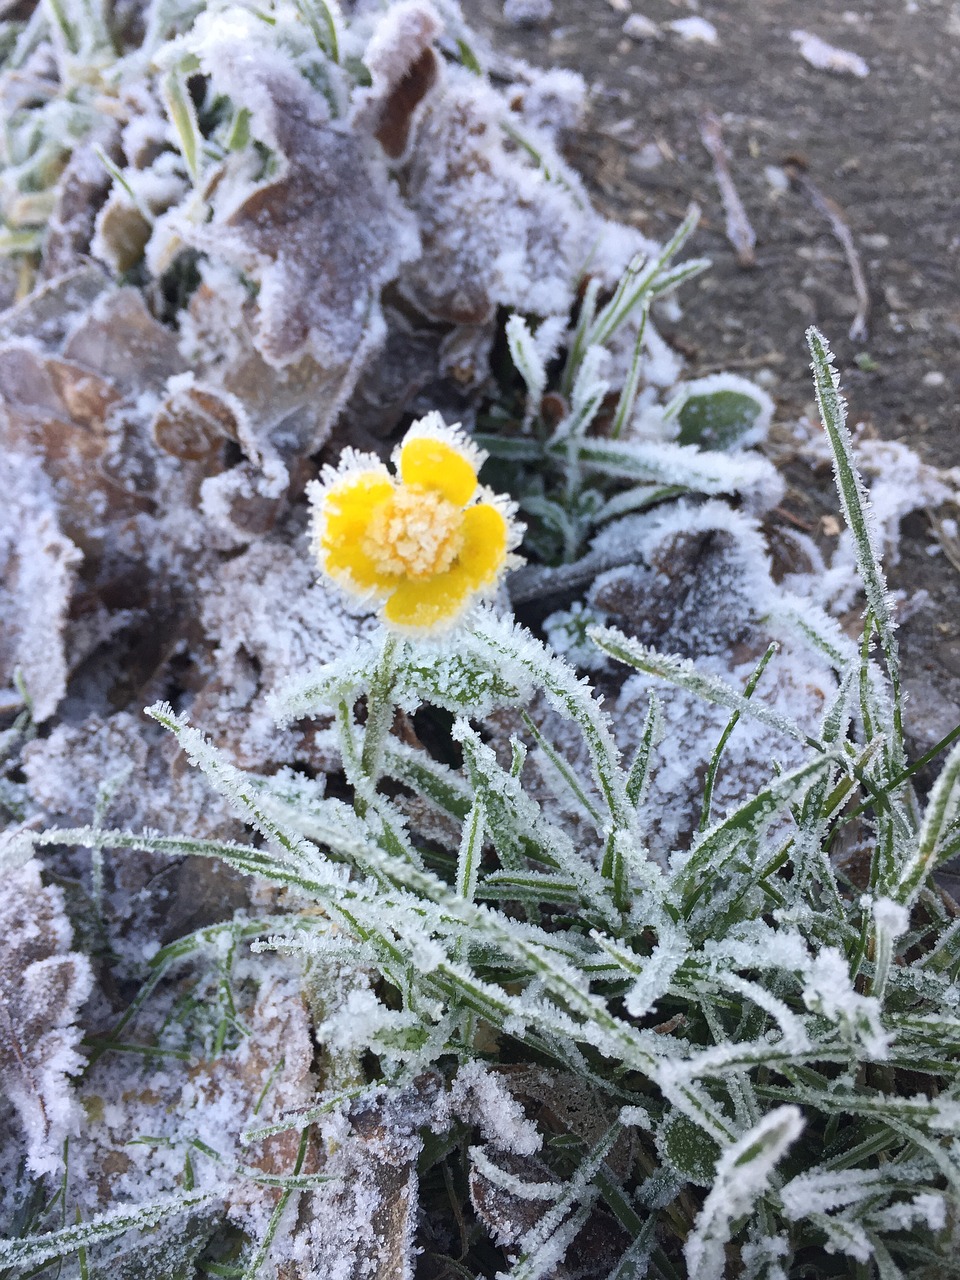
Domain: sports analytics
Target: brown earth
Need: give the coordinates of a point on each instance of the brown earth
(885, 149)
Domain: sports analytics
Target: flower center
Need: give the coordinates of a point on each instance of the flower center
(414, 534)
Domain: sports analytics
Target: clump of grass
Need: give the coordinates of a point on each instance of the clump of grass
(778, 1035)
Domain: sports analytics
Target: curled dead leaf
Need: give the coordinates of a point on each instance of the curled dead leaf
(192, 422)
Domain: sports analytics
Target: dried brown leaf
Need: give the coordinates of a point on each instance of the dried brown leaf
(403, 69)
(37, 566)
(322, 240)
(42, 987)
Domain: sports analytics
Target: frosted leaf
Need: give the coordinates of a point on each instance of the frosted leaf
(403, 68)
(360, 1023)
(566, 632)
(192, 420)
(750, 476)
(723, 411)
(37, 568)
(703, 588)
(140, 197)
(364, 1222)
(43, 984)
(66, 769)
(528, 360)
(704, 584)
(552, 99)
(479, 1096)
(269, 620)
(120, 340)
(49, 313)
(892, 917)
(495, 229)
(322, 240)
(744, 1171)
(142, 1117)
(145, 896)
(589, 390)
(290, 410)
(763, 1256)
(926, 1210)
(82, 188)
(549, 338)
(661, 364)
(819, 1191)
(900, 482)
(828, 990)
(656, 975)
(460, 674)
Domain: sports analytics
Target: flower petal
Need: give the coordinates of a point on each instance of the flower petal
(485, 538)
(342, 518)
(429, 463)
(430, 604)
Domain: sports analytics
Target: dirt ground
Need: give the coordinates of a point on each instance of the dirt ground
(884, 148)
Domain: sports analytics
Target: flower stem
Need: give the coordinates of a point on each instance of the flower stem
(380, 708)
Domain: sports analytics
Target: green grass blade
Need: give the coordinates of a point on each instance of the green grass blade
(857, 512)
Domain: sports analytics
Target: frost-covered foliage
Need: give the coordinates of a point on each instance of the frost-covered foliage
(42, 987)
(473, 975)
(733, 1056)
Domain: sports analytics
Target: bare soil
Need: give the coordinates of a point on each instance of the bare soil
(885, 149)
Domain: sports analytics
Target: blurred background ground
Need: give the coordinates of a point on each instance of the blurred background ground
(884, 148)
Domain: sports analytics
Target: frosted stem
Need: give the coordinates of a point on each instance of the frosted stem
(379, 707)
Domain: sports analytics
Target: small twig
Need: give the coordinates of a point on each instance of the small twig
(795, 520)
(534, 581)
(745, 362)
(738, 229)
(841, 229)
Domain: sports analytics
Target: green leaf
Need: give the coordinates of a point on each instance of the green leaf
(692, 1152)
(939, 822)
(183, 115)
(858, 515)
(727, 417)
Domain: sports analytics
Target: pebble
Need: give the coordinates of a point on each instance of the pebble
(694, 30)
(637, 27)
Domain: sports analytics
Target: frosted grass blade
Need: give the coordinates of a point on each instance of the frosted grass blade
(858, 514)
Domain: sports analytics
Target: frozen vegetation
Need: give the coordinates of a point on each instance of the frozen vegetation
(368, 955)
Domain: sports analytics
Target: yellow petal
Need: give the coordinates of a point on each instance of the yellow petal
(430, 604)
(346, 511)
(484, 549)
(428, 463)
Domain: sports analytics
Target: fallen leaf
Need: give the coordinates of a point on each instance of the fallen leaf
(43, 984)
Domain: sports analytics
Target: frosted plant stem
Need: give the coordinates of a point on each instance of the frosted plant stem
(323, 26)
(253, 1270)
(379, 708)
(711, 777)
(471, 847)
(588, 310)
(628, 396)
(563, 768)
(940, 818)
(857, 513)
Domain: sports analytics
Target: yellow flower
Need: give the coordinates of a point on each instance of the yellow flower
(425, 543)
